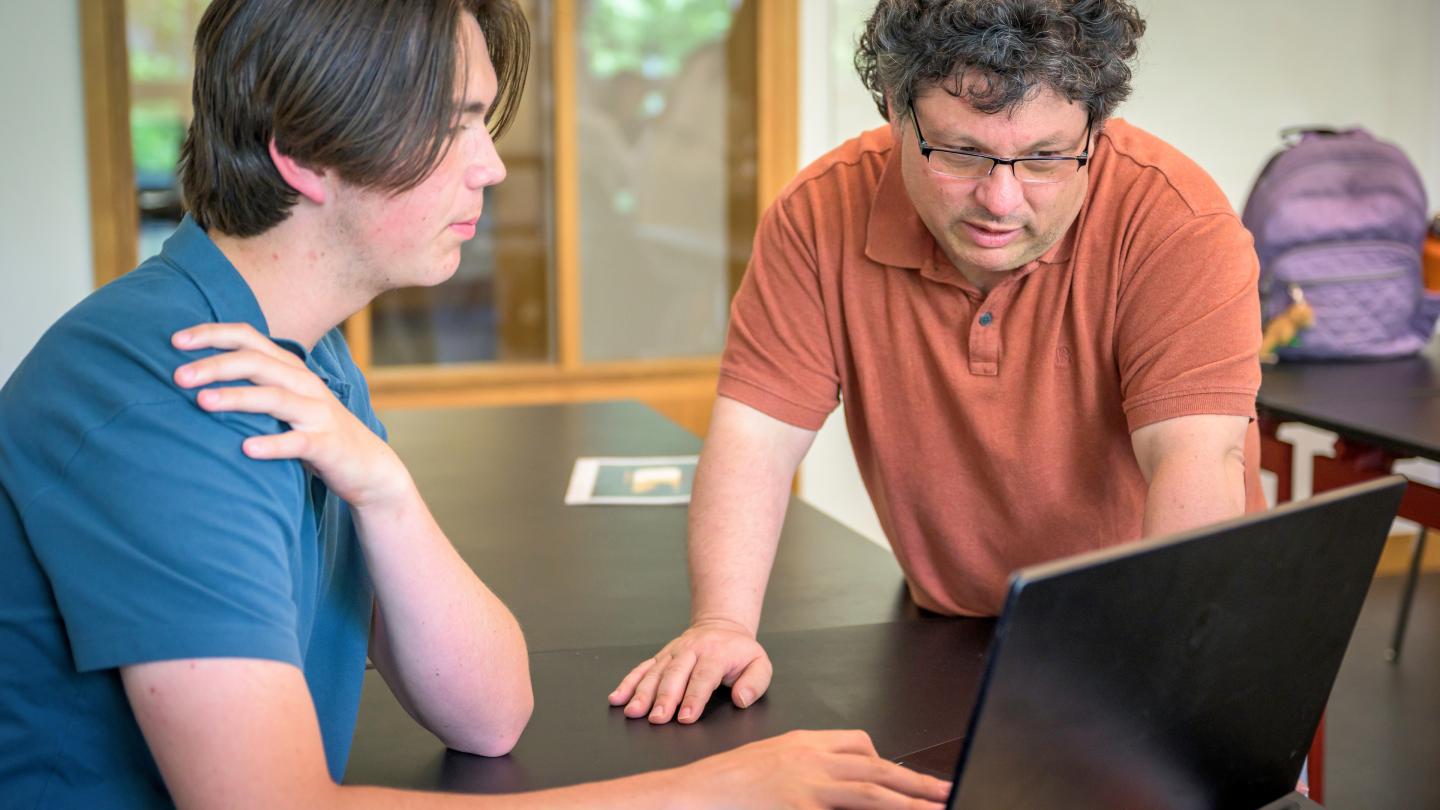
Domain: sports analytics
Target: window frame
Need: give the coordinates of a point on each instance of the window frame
(683, 388)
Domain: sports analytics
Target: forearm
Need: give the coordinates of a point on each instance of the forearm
(456, 655)
(742, 490)
(655, 790)
(734, 532)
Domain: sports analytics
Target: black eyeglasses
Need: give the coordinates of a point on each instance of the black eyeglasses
(963, 164)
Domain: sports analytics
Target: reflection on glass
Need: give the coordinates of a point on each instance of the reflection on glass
(159, 36)
(657, 158)
(497, 305)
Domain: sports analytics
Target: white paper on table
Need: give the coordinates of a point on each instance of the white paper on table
(631, 480)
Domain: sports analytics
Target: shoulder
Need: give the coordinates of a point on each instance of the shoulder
(116, 342)
(1134, 169)
(105, 368)
(844, 178)
(1145, 194)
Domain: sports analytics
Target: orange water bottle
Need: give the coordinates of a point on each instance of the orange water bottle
(1431, 261)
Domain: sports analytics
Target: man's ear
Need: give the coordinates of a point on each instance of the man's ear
(309, 183)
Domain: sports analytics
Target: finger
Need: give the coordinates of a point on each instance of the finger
(869, 796)
(247, 364)
(673, 679)
(277, 402)
(752, 683)
(626, 689)
(867, 783)
(892, 778)
(291, 444)
(230, 336)
(703, 680)
(644, 696)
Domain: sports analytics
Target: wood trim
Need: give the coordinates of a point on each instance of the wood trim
(563, 390)
(566, 160)
(742, 210)
(421, 386)
(114, 216)
(777, 97)
(361, 338)
(401, 379)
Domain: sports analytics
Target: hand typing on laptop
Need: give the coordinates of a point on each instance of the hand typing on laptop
(820, 769)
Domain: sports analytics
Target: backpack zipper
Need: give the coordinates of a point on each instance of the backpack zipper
(1330, 245)
(1350, 279)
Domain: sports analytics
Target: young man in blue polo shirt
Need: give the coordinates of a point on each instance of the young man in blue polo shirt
(202, 530)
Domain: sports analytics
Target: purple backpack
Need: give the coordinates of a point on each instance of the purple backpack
(1342, 216)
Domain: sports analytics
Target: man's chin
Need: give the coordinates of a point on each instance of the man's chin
(993, 260)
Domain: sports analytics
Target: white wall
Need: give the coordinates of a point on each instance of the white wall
(833, 107)
(1218, 79)
(45, 265)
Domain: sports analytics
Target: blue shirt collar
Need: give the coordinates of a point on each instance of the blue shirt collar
(190, 250)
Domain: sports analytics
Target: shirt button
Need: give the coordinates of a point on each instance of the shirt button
(986, 319)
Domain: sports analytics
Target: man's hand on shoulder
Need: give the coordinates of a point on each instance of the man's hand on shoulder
(353, 462)
(679, 680)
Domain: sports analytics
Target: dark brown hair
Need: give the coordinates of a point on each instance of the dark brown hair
(366, 88)
(1008, 49)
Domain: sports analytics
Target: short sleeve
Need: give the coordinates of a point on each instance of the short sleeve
(778, 356)
(162, 540)
(1188, 325)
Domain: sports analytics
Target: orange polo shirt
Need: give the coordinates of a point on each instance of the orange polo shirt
(993, 431)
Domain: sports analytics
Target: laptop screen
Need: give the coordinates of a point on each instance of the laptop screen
(1185, 672)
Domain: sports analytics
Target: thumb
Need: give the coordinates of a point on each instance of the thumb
(752, 683)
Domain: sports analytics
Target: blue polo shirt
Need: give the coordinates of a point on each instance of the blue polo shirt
(133, 529)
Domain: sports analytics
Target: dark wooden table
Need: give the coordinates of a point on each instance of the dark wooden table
(599, 588)
(1391, 405)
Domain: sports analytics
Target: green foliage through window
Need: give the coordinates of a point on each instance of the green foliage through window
(651, 37)
(159, 37)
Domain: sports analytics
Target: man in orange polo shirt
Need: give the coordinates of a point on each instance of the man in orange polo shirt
(1043, 322)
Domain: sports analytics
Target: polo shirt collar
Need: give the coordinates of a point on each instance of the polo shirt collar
(191, 250)
(897, 237)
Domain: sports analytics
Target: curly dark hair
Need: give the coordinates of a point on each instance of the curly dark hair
(997, 54)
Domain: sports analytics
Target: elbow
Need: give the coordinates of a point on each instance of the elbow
(500, 734)
(485, 744)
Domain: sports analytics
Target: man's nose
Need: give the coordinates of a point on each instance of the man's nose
(1001, 193)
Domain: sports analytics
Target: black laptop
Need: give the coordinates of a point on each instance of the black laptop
(1183, 672)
